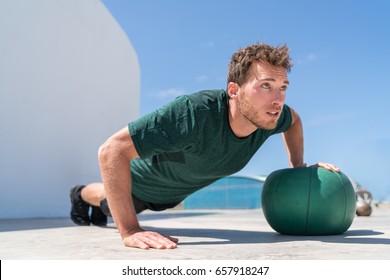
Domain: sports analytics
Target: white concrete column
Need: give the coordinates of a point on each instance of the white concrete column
(69, 78)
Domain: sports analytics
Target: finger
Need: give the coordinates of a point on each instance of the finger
(159, 241)
(132, 239)
(135, 243)
(328, 166)
(332, 167)
(174, 239)
(146, 240)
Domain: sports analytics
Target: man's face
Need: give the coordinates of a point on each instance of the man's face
(261, 98)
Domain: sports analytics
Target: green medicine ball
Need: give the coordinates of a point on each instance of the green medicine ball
(308, 201)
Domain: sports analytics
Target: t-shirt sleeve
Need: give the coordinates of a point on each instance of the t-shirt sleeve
(168, 129)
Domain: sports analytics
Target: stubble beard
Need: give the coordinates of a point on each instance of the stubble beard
(251, 115)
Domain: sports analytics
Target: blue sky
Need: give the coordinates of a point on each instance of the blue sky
(338, 83)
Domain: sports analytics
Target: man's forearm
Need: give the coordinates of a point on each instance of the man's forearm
(115, 156)
(294, 143)
(117, 182)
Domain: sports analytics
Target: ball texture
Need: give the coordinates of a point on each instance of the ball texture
(308, 201)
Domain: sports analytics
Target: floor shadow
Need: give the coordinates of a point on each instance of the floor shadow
(220, 236)
(48, 223)
(148, 216)
(223, 236)
(34, 223)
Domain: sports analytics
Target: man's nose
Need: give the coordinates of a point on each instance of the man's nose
(280, 97)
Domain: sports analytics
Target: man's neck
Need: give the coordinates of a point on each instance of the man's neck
(240, 126)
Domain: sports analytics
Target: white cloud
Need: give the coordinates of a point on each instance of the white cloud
(207, 44)
(311, 57)
(202, 78)
(168, 93)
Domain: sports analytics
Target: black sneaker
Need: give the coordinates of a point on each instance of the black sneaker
(97, 217)
(79, 212)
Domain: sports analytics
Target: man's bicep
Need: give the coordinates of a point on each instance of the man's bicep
(294, 116)
(123, 143)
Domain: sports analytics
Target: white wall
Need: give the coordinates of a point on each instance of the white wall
(69, 78)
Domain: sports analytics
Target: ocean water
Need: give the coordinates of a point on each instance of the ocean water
(233, 192)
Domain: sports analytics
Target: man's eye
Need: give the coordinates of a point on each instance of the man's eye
(266, 85)
(283, 88)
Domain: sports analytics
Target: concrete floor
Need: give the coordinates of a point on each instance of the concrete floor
(204, 235)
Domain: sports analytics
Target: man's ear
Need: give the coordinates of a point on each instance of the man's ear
(232, 89)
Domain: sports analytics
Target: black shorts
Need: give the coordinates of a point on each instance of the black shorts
(139, 206)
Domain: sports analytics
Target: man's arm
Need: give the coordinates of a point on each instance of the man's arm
(294, 143)
(114, 159)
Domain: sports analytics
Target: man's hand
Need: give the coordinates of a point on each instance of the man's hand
(139, 238)
(327, 166)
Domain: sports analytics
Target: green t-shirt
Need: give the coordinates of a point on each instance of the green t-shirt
(188, 144)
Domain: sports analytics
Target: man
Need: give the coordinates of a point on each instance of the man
(158, 160)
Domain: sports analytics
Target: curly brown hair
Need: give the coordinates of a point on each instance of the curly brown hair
(239, 66)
